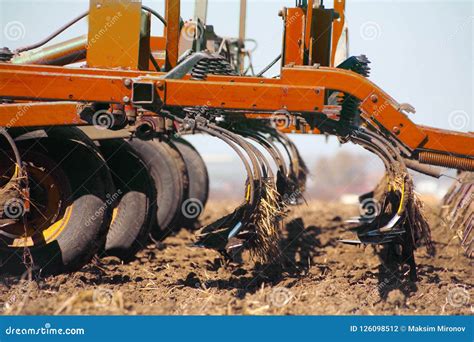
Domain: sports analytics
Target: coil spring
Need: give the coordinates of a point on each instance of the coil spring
(211, 66)
(445, 160)
(350, 113)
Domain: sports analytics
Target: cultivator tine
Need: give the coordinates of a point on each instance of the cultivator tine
(468, 237)
(274, 193)
(291, 179)
(458, 210)
(255, 224)
(294, 183)
(299, 170)
(394, 214)
(261, 234)
(267, 221)
(217, 234)
(282, 182)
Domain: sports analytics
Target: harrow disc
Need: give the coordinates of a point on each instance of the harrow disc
(135, 204)
(167, 170)
(179, 166)
(198, 190)
(68, 213)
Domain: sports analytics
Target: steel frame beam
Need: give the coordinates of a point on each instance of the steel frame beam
(300, 89)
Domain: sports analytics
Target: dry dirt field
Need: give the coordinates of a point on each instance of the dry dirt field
(317, 275)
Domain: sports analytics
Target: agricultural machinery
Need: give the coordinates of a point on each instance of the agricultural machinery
(70, 192)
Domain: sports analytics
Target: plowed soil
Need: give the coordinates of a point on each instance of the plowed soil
(317, 275)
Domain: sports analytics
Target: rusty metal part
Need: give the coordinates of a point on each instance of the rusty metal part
(446, 160)
(148, 126)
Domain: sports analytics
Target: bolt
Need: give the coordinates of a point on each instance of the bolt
(126, 99)
(374, 98)
(160, 85)
(127, 82)
(396, 130)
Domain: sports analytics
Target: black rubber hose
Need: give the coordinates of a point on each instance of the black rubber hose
(156, 14)
(272, 63)
(13, 146)
(155, 64)
(53, 35)
(75, 20)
